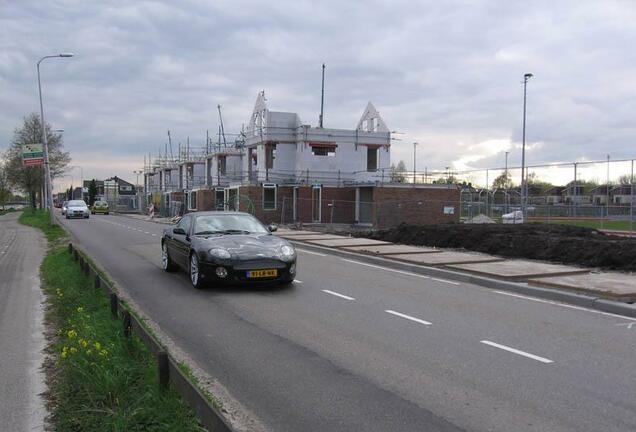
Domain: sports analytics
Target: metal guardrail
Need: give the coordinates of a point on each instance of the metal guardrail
(167, 366)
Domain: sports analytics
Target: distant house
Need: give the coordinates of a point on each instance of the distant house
(118, 186)
(574, 193)
(600, 194)
(622, 195)
(554, 195)
(98, 183)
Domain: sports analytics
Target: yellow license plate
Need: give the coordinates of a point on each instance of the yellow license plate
(262, 273)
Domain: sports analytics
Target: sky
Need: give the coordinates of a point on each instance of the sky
(445, 74)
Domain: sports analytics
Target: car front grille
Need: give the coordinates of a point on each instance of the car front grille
(258, 264)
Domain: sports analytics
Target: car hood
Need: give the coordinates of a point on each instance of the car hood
(77, 207)
(246, 246)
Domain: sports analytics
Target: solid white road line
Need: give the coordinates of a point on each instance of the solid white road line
(338, 295)
(310, 252)
(402, 272)
(516, 351)
(408, 317)
(581, 308)
(298, 281)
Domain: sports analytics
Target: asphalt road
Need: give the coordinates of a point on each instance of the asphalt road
(355, 347)
(21, 327)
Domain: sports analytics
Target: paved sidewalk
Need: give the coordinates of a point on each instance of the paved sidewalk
(609, 285)
(21, 327)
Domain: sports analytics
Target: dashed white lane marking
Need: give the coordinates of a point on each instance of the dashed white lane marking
(581, 308)
(516, 351)
(154, 235)
(338, 295)
(408, 317)
(310, 252)
(445, 281)
(298, 281)
(402, 272)
(146, 232)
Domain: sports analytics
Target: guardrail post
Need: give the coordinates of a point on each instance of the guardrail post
(127, 323)
(164, 369)
(70, 248)
(98, 281)
(113, 304)
(75, 256)
(87, 268)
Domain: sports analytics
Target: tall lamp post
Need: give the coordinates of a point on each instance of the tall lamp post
(414, 162)
(137, 172)
(45, 142)
(524, 186)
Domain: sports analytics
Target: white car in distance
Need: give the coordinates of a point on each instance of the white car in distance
(77, 209)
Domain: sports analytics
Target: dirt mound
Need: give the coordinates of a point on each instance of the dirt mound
(547, 242)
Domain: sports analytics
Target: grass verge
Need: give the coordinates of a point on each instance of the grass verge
(596, 224)
(41, 219)
(99, 379)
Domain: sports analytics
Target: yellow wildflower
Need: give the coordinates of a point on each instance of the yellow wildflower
(80, 309)
(89, 352)
(103, 353)
(64, 355)
(71, 334)
(98, 346)
(73, 350)
(83, 343)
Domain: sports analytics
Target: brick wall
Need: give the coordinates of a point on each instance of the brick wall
(421, 206)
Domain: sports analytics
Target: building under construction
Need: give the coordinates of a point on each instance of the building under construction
(284, 171)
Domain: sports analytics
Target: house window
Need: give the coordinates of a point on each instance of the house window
(125, 188)
(192, 200)
(372, 159)
(270, 155)
(222, 165)
(323, 151)
(269, 196)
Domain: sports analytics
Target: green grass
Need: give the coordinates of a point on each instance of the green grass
(104, 381)
(596, 224)
(41, 219)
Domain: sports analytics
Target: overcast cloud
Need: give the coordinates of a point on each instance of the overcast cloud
(445, 74)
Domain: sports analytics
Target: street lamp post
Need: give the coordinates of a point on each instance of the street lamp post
(45, 142)
(414, 162)
(137, 172)
(524, 186)
(506, 172)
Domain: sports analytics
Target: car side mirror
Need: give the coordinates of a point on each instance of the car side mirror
(272, 227)
(179, 231)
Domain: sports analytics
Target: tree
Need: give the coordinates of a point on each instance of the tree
(92, 192)
(5, 192)
(625, 180)
(398, 173)
(502, 181)
(30, 179)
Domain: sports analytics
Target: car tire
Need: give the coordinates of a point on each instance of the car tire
(195, 271)
(87, 216)
(67, 217)
(106, 213)
(167, 264)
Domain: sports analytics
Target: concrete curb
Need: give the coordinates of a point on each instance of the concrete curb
(575, 298)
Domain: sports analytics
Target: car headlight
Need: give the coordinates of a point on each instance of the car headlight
(219, 253)
(287, 252)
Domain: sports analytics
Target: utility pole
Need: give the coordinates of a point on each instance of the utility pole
(414, 162)
(524, 186)
(322, 97)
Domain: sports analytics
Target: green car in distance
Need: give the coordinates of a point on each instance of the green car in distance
(100, 207)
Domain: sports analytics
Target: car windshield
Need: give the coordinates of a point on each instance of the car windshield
(77, 203)
(228, 224)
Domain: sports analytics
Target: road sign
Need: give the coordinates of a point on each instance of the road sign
(32, 154)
